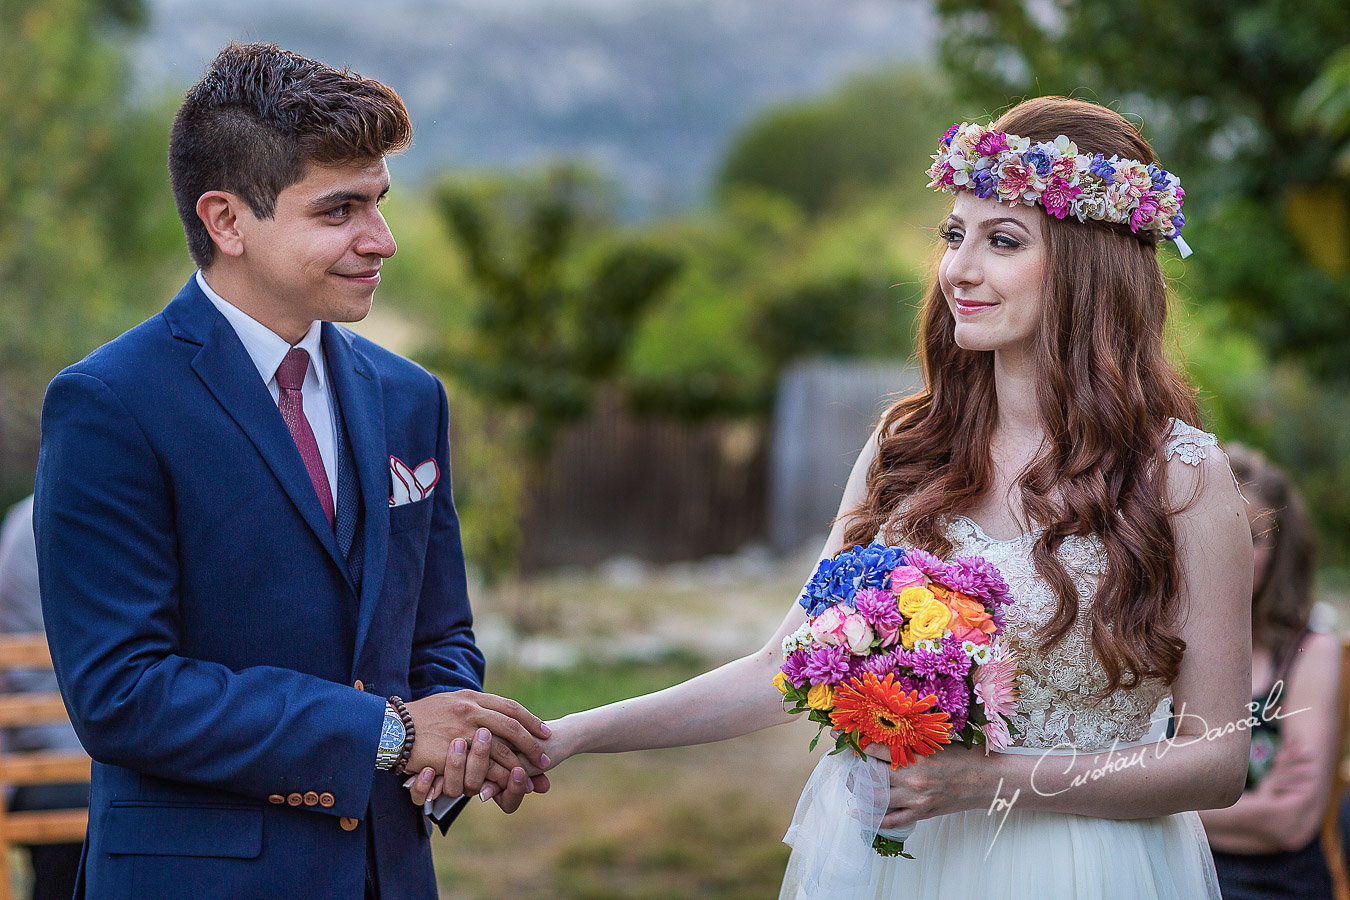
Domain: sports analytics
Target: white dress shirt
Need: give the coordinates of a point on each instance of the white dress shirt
(267, 349)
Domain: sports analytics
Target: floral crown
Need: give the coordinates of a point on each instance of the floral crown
(1013, 170)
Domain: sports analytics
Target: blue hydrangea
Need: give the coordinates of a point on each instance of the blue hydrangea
(876, 561)
(1038, 160)
(1102, 167)
(816, 597)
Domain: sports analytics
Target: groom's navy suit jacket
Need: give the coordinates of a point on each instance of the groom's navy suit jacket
(207, 633)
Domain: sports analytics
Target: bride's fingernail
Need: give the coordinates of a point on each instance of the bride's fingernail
(544, 760)
(543, 726)
(409, 782)
(487, 793)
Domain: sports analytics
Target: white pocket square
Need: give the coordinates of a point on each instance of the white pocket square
(409, 485)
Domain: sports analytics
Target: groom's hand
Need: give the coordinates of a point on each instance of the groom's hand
(441, 718)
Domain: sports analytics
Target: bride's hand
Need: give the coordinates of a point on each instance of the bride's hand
(949, 781)
(561, 743)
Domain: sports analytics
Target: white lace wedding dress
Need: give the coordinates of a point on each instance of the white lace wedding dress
(1040, 855)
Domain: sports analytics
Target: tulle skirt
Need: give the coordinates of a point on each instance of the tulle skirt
(1012, 855)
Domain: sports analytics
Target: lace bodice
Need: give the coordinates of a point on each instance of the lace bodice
(1058, 688)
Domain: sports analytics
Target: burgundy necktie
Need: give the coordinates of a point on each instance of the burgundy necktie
(290, 378)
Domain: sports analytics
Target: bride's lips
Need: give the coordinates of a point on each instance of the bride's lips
(971, 307)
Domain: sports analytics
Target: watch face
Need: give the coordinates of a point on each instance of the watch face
(391, 738)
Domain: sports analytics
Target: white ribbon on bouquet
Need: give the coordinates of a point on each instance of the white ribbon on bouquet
(837, 818)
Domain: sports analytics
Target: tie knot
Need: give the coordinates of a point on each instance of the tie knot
(291, 372)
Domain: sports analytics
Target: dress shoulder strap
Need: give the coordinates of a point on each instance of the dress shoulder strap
(1188, 442)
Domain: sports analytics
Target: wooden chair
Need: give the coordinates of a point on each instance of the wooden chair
(1332, 845)
(29, 651)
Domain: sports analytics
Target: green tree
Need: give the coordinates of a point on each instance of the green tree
(84, 211)
(557, 297)
(826, 153)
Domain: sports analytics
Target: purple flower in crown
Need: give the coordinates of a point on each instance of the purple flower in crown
(1039, 160)
(794, 667)
(951, 133)
(1057, 197)
(983, 183)
(1145, 211)
(991, 143)
(878, 607)
(1102, 167)
(1178, 223)
(826, 664)
(1159, 176)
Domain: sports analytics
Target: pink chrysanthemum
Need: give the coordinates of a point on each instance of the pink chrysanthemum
(996, 686)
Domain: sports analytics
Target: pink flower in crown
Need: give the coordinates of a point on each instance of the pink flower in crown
(1013, 180)
(947, 138)
(967, 139)
(1057, 196)
(1136, 175)
(1145, 212)
(941, 172)
(1065, 167)
(991, 143)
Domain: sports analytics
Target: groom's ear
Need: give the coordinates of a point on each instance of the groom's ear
(219, 212)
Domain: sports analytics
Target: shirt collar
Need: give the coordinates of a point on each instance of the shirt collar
(265, 347)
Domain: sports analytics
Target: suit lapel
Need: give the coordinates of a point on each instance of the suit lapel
(362, 399)
(227, 371)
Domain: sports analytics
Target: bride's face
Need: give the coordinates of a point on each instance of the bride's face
(993, 273)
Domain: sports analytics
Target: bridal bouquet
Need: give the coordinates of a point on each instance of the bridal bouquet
(901, 648)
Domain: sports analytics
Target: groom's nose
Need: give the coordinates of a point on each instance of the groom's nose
(376, 239)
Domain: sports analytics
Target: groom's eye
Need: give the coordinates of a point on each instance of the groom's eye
(340, 212)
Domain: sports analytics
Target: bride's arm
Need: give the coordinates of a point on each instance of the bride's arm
(727, 702)
(1205, 764)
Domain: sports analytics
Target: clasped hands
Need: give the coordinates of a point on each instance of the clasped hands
(468, 742)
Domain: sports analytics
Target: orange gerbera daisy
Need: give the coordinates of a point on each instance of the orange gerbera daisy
(880, 711)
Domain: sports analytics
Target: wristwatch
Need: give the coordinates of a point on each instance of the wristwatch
(392, 736)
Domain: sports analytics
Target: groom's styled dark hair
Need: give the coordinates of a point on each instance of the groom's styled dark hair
(260, 116)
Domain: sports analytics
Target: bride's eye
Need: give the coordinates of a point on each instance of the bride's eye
(949, 235)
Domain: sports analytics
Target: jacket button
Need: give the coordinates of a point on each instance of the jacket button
(326, 800)
(276, 798)
(311, 798)
(294, 799)
(359, 686)
(348, 824)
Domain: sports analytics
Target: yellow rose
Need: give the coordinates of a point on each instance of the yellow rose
(781, 682)
(928, 624)
(821, 696)
(914, 599)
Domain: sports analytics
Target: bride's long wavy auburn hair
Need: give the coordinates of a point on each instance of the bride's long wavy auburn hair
(1106, 396)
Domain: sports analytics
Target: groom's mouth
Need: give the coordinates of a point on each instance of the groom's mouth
(368, 277)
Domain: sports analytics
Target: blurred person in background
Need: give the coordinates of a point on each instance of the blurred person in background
(1266, 845)
(54, 865)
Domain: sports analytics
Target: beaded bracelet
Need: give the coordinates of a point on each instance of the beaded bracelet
(409, 732)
